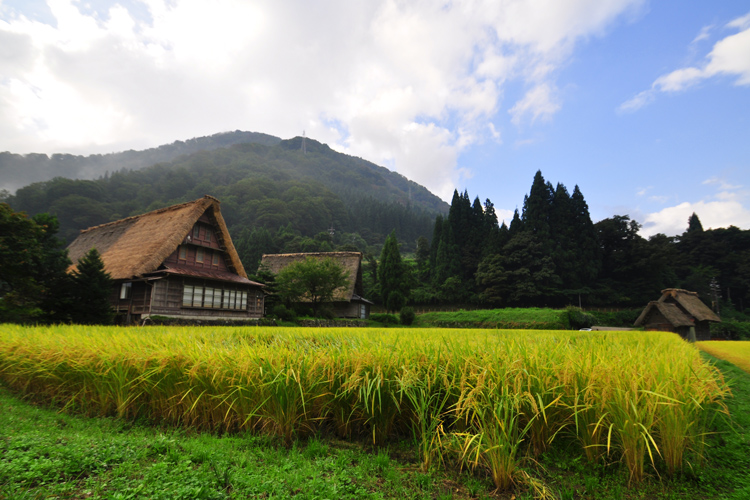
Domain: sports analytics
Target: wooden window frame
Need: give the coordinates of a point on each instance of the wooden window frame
(199, 255)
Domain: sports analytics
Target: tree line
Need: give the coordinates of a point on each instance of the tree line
(552, 254)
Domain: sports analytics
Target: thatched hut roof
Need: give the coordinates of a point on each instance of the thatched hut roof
(671, 312)
(350, 261)
(690, 303)
(138, 245)
(679, 307)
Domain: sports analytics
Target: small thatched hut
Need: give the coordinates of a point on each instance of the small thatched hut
(177, 261)
(677, 311)
(347, 301)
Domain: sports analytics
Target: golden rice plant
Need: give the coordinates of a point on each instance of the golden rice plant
(644, 397)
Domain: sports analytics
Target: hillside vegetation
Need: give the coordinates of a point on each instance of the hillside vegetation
(17, 170)
(275, 197)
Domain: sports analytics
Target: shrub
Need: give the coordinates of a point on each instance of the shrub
(283, 313)
(407, 315)
(386, 319)
(578, 319)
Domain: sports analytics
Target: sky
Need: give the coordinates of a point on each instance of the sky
(644, 105)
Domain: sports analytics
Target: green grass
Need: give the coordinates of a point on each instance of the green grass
(532, 317)
(44, 454)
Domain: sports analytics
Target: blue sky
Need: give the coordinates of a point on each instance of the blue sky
(644, 105)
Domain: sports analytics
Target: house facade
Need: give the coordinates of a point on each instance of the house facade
(678, 311)
(347, 301)
(176, 262)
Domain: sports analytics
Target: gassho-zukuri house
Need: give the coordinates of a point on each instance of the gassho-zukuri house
(347, 301)
(678, 311)
(176, 262)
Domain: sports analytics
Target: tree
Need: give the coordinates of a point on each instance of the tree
(694, 224)
(34, 285)
(313, 280)
(392, 274)
(92, 287)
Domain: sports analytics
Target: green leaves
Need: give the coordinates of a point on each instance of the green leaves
(312, 280)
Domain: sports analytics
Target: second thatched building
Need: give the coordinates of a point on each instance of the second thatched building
(347, 301)
(678, 311)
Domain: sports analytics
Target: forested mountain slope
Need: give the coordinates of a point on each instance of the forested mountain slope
(274, 197)
(18, 170)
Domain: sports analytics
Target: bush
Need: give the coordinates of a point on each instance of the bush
(407, 316)
(624, 318)
(578, 319)
(731, 330)
(283, 313)
(386, 319)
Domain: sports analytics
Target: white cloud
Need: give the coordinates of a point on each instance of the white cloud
(730, 56)
(712, 214)
(538, 102)
(410, 84)
(727, 207)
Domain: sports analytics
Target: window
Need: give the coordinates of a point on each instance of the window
(198, 296)
(183, 252)
(196, 231)
(125, 290)
(187, 296)
(208, 234)
(215, 261)
(208, 298)
(217, 298)
(199, 255)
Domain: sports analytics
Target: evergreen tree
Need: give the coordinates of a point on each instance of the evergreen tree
(423, 259)
(536, 207)
(447, 260)
(436, 236)
(694, 224)
(516, 225)
(92, 288)
(392, 274)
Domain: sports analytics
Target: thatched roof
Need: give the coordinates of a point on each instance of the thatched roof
(138, 245)
(679, 307)
(690, 303)
(671, 312)
(350, 261)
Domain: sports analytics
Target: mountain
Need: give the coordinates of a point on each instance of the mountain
(275, 196)
(19, 170)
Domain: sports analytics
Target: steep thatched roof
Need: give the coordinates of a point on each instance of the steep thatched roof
(690, 303)
(137, 245)
(679, 307)
(350, 261)
(671, 312)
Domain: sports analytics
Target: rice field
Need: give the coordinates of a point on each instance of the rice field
(480, 398)
(736, 352)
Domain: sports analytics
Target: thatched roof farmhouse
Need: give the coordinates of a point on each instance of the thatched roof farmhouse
(677, 311)
(347, 301)
(177, 261)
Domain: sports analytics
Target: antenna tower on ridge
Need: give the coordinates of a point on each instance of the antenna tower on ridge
(304, 146)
